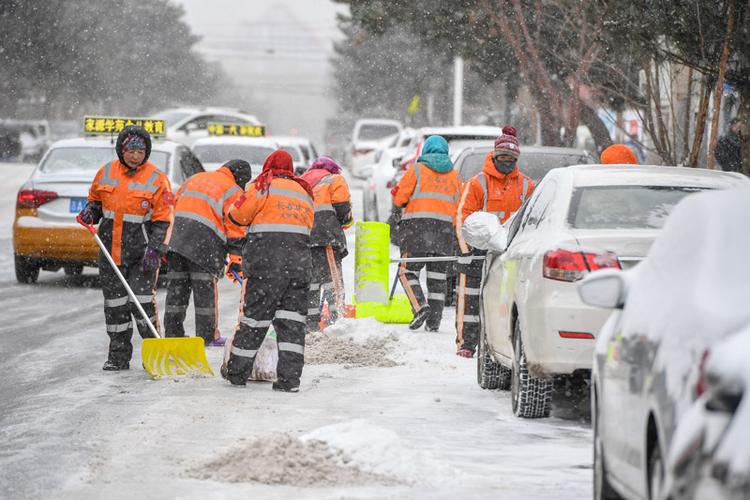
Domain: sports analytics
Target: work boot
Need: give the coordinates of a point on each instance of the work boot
(419, 318)
(281, 387)
(111, 366)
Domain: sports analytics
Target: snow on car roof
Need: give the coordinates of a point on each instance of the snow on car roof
(552, 150)
(652, 175)
(467, 130)
(239, 140)
(290, 139)
(103, 142)
(692, 287)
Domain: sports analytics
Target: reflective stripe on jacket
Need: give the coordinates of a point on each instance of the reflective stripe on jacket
(279, 223)
(201, 230)
(333, 209)
(137, 208)
(491, 191)
(430, 199)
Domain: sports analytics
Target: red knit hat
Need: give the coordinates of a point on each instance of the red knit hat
(618, 154)
(507, 143)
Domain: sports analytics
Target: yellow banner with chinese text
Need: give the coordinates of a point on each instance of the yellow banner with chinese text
(96, 125)
(238, 129)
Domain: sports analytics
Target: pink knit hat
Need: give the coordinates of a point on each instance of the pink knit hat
(507, 143)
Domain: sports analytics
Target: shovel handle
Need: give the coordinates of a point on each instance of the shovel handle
(132, 296)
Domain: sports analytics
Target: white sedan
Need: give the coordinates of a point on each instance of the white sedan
(186, 125)
(579, 219)
(213, 152)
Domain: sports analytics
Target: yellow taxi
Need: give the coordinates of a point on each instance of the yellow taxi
(45, 233)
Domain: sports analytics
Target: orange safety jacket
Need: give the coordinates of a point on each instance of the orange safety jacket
(201, 230)
(136, 209)
(333, 210)
(493, 192)
(278, 226)
(430, 199)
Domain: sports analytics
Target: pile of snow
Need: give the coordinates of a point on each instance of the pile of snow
(380, 451)
(282, 459)
(352, 343)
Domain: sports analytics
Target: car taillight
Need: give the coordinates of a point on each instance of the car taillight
(565, 265)
(700, 385)
(34, 198)
(357, 152)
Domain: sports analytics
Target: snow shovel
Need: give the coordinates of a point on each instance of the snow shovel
(163, 357)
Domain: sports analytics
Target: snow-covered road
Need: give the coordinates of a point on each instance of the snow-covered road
(421, 428)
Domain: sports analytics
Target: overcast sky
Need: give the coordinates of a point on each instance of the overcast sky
(278, 52)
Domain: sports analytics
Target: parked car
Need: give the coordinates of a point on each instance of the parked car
(188, 124)
(709, 456)
(45, 233)
(305, 145)
(535, 161)
(213, 152)
(301, 149)
(381, 172)
(650, 359)
(369, 136)
(10, 142)
(579, 219)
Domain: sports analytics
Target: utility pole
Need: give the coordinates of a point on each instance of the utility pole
(458, 90)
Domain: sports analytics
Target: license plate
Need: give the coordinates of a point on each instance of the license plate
(77, 204)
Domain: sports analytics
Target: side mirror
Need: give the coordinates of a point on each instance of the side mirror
(606, 289)
(483, 231)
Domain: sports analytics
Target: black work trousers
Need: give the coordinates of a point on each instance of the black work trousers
(326, 285)
(436, 286)
(278, 299)
(183, 277)
(119, 311)
(469, 287)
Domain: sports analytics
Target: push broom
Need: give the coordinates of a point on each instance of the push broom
(163, 357)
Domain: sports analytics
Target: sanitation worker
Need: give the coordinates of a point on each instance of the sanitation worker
(428, 193)
(333, 213)
(500, 189)
(201, 239)
(134, 202)
(278, 212)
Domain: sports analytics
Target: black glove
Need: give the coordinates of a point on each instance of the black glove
(151, 260)
(90, 214)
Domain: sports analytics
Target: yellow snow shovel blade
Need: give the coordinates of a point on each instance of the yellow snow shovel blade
(162, 357)
(171, 357)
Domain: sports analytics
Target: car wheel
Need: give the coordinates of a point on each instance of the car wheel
(27, 270)
(73, 269)
(602, 488)
(655, 472)
(531, 395)
(490, 373)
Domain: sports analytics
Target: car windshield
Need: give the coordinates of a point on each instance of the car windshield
(171, 117)
(624, 207)
(90, 159)
(373, 132)
(534, 165)
(221, 153)
(294, 152)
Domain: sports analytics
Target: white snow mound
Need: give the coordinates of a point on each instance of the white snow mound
(380, 451)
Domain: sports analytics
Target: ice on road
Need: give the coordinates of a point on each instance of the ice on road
(415, 425)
